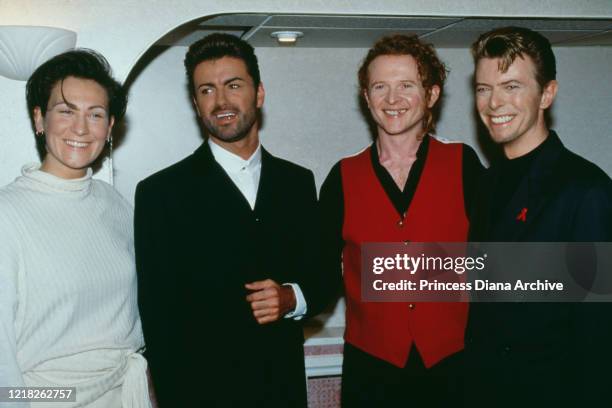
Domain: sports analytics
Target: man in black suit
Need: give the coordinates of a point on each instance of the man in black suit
(534, 354)
(225, 249)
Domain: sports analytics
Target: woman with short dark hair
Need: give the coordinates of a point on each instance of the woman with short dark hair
(68, 307)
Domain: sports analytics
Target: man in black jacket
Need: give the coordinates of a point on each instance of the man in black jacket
(225, 249)
(534, 354)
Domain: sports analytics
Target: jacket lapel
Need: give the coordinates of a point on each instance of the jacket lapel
(268, 186)
(546, 176)
(215, 184)
(543, 179)
(517, 214)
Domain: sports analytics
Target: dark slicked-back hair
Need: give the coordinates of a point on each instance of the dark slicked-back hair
(508, 43)
(217, 46)
(432, 70)
(80, 63)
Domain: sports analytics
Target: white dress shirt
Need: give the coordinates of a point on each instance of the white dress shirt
(245, 174)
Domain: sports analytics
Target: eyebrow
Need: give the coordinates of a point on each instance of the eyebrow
(234, 79)
(227, 81)
(403, 81)
(501, 83)
(73, 106)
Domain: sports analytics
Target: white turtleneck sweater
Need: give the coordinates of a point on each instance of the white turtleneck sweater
(68, 307)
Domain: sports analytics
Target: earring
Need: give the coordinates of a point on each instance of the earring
(109, 141)
(40, 133)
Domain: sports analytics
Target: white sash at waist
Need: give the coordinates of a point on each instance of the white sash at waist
(104, 378)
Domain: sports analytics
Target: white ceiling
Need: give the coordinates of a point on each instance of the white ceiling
(325, 31)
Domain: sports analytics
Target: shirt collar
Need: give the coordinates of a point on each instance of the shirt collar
(233, 163)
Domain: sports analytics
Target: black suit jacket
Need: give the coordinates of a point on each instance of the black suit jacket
(197, 243)
(543, 354)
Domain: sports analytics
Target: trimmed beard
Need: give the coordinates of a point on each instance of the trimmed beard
(246, 121)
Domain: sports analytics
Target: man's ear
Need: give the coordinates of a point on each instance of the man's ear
(366, 97)
(434, 94)
(548, 94)
(261, 95)
(195, 104)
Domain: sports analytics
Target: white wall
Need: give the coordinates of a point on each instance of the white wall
(17, 144)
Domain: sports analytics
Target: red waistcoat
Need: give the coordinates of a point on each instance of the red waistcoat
(436, 214)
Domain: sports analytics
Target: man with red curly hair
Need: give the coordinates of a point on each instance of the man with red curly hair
(406, 186)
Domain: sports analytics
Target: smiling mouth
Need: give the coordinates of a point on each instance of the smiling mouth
(501, 120)
(74, 143)
(225, 116)
(394, 112)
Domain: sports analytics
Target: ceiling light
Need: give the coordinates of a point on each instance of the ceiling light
(24, 48)
(287, 37)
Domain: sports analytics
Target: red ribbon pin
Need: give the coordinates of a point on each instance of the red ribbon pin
(522, 215)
